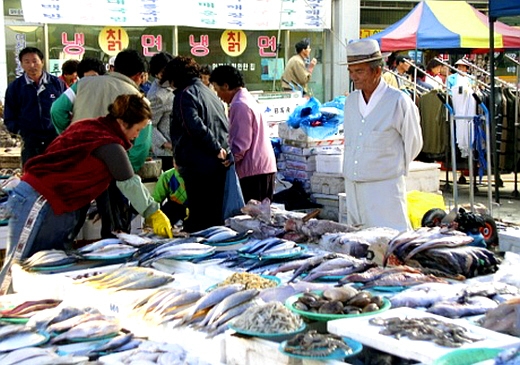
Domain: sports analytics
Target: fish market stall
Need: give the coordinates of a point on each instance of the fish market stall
(188, 291)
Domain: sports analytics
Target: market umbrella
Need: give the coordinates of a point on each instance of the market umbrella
(445, 25)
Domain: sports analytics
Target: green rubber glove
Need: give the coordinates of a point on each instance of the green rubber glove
(161, 224)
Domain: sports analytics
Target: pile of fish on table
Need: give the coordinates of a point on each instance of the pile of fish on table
(209, 312)
(442, 251)
(456, 300)
(72, 335)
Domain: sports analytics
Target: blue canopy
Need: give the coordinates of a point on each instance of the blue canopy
(498, 8)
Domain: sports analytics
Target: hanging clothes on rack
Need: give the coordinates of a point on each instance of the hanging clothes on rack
(434, 126)
(464, 105)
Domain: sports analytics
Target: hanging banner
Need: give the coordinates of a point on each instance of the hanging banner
(219, 14)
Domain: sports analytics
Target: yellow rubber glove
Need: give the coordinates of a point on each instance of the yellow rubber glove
(161, 224)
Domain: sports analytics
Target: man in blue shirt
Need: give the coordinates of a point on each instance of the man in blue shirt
(28, 101)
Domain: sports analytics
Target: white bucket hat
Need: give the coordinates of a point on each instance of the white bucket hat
(463, 62)
(361, 51)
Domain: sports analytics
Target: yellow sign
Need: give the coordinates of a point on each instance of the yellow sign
(363, 33)
(233, 42)
(113, 40)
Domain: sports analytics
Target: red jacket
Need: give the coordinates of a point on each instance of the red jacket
(67, 174)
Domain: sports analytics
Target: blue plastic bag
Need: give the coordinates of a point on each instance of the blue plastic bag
(233, 198)
(301, 112)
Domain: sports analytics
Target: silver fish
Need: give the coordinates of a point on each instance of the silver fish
(448, 241)
(15, 356)
(111, 250)
(210, 299)
(21, 339)
(115, 343)
(74, 321)
(147, 282)
(133, 239)
(98, 244)
(229, 302)
(95, 328)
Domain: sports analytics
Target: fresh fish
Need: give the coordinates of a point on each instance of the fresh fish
(74, 321)
(403, 237)
(29, 307)
(98, 244)
(90, 329)
(208, 232)
(223, 235)
(151, 300)
(230, 314)
(260, 245)
(16, 356)
(114, 343)
(44, 257)
(210, 299)
(310, 264)
(376, 273)
(20, 340)
(424, 295)
(449, 241)
(133, 239)
(111, 250)
(358, 267)
(11, 329)
(473, 306)
(147, 282)
(45, 318)
(134, 343)
(182, 299)
(290, 266)
(229, 302)
(403, 279)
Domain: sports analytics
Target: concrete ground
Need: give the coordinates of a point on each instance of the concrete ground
(505, 209)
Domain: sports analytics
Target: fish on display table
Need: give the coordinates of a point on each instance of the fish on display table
(89, 329)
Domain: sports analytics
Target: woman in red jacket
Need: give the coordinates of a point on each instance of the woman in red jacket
(75, 169)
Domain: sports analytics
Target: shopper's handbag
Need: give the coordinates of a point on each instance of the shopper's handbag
(233, 198)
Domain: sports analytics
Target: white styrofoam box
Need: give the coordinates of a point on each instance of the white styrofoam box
(308, 151)
(331, 184)
(292, 157)
(296, 174)
(256, 351)
(509, 240)
(280, 165)
(278, 106)
(423, 177)
(91, 230)
(423, 351)
(330, 164)
(298, 137)
(300, 165)
(330, 203)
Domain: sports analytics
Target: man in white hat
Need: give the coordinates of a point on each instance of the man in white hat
(382, 136)
(460, 79)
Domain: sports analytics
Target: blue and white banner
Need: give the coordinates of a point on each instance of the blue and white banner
(219, 14)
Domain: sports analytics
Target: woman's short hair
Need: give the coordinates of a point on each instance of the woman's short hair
(131, 108)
